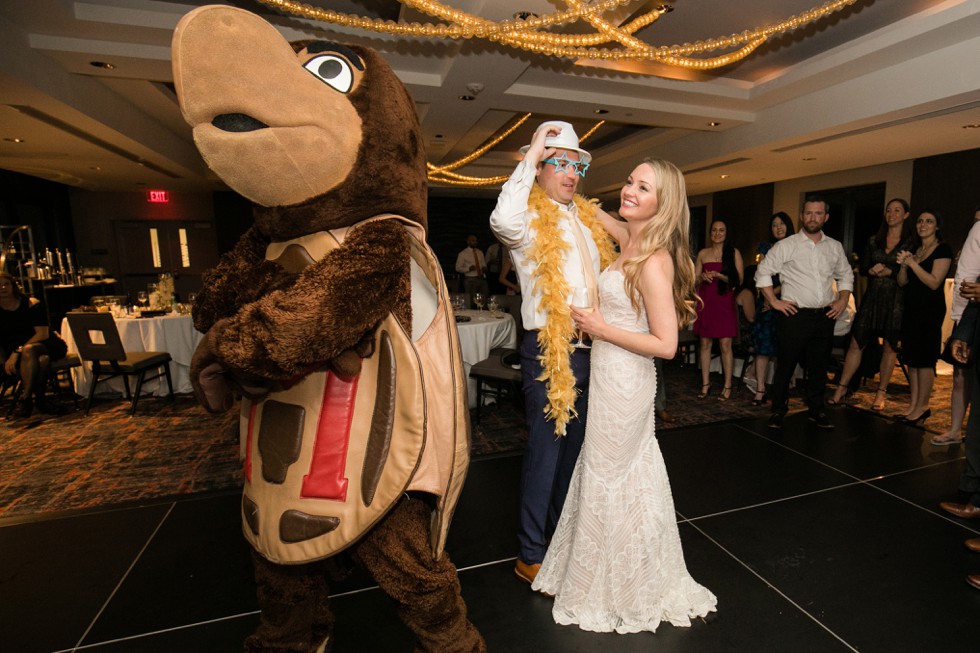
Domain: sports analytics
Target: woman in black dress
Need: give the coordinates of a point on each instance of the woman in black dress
(27, 346)
(922, 275)
(880, 312)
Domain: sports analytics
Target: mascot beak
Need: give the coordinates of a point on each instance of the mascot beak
(277, 126)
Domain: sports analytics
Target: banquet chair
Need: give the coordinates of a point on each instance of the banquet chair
(98, 343)
(498, 375)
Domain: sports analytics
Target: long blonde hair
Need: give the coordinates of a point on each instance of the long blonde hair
(668, 230)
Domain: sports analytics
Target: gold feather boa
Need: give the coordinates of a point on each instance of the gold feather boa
(549, 251)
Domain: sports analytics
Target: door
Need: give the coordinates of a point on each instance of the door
(148, 248)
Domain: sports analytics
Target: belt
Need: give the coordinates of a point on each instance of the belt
(822, 309)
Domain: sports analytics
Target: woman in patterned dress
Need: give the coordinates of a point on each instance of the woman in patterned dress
(880, 312)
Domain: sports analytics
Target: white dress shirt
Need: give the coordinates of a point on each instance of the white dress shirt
(511, 222)
(471, 257)
(807, 270)
(967, 269)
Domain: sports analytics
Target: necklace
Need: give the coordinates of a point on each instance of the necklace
(924, 251)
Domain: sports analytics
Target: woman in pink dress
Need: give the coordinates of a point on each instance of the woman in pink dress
(719, 270)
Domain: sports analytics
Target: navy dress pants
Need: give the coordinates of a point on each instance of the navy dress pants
(549, 459)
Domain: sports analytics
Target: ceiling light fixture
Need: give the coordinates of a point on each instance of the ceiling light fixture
(466, 98)
(809, 158)
(102, 64)
(445, 175)
(975, 125)
(723, 176)
(530, 33)
(601, 112)
(713, 123)
(14, 140)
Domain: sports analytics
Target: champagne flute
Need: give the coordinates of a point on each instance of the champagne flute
(581, 299)
(478, 300)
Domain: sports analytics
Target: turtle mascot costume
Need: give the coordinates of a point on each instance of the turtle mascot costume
(329, 317)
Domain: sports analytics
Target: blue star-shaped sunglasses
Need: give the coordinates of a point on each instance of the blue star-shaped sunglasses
(564, 165)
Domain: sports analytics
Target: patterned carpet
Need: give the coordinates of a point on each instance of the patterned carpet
(54, 463)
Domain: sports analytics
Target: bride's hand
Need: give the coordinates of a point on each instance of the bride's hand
(589, 321)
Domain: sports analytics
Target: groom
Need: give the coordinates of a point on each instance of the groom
(549, 230)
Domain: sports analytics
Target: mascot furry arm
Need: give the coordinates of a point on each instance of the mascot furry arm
(289, 331)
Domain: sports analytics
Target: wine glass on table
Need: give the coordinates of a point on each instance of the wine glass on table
(478, 300)
(581, 299)
(142, 298)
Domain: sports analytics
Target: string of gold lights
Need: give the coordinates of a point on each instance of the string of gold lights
(445, 175)
(480, 151)
(526, 33)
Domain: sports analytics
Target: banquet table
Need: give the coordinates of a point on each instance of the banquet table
(479, 335)
(173, 333)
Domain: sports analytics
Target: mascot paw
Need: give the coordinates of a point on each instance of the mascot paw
(212, 389)
(347, 365)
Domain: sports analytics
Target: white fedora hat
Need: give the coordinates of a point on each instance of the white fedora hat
(566, 140)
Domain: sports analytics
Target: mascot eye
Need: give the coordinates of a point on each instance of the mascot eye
(333, 70)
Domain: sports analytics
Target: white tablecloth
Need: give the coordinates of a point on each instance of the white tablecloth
(174, 334)
(481, 334)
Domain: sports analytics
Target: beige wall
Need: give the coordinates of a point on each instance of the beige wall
(788, 195)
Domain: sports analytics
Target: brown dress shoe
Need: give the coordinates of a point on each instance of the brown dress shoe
(973, 544)
(964, 510)
(973, 581)
(527, 572)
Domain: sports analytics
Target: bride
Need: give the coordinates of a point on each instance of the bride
(615, 562)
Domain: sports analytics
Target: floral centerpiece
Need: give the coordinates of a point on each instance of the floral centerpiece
(163, 297)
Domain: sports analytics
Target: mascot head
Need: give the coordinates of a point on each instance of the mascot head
(318, 135)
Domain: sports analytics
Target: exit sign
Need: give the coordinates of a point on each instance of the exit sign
(158, 196)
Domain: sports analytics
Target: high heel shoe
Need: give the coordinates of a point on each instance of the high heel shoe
(927, 413)
(23, 407)
(759, 399)
(881, 397)
(725, 394)
(705, 389)
(839, 396)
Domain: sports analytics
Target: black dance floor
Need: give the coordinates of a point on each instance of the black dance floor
(812, 540)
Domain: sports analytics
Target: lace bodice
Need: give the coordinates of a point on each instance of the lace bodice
(616, 306)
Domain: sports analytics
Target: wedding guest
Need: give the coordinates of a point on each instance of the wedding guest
(764, 329)
(719, 271)
(27, 344)
(967, 274)
(922, 275)
(808, 307)
(880, 312)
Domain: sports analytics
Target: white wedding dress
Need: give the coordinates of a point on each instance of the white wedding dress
(615, 562)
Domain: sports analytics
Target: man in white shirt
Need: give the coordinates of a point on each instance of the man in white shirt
(965, 347)
(808, 263)
(554, 163)
(473, 267)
